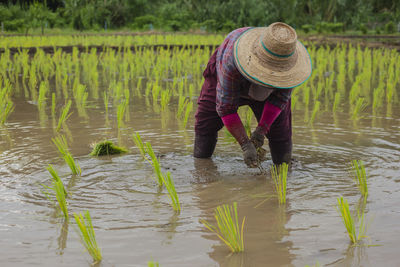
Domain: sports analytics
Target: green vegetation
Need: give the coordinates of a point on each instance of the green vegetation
(59, 190)
(169, 185)
(360, 176)
(6, 104)
(152, 264)
(138, 142)
(155, 163)
(227, 228)
(279, 176)
(87, 235)
(317, 16)
(106, 147)
(64, 115)
(61, 143)
(349, 223)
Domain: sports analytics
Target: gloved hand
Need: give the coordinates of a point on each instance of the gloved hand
(257, 137)
(250, 154)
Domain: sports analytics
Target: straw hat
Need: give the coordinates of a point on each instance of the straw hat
(272, 56)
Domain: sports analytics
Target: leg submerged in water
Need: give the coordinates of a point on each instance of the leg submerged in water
(204, 145)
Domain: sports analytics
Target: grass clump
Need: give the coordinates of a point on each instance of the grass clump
(348, 221)
(227, 228)
(360, 176)
(106, 148)
(155, 163)
(279, 176)
(62, 146)
(59, 190)
(87, 235)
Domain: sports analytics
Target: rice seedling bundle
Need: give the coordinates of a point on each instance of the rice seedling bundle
(61, 143)
(349, 223)
(138, 142)
(358, 108)
(314, 112)
(155, 163)
(360, 176)
(170, 186)
(87, 235)
(59, 190)
(64, 115)
(106, 147)
(6, 104)
(189, 108)
(227, 228)
(279, 176)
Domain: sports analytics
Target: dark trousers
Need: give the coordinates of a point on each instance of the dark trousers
(208, 122)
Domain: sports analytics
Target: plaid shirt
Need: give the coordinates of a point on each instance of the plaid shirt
(231, 84)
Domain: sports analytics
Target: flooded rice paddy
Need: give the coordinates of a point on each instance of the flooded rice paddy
(132, 217)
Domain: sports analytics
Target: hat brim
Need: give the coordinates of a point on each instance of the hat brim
(253, 70)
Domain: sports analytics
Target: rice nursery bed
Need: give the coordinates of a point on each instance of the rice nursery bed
(148, 205)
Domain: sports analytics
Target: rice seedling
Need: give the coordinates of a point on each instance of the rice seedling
(169, 185)
(120, 114)
(64, 115)
(165, 98)
(360, 176)
(61, 143)
(348, 221)
(189, 108)
(106, 147)
(314, 112)
(227, 228)
(152, 264)
(336, 101)
(279, 176)
(138, 142)
(155, 163)
(53, 105)
(43, 89)
(358, 108)
(182, 102)
(87, 235)
(6, 107)
(59, 189)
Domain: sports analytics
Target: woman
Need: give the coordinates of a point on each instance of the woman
(257, 67)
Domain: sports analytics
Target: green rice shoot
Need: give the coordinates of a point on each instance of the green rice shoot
(169, 184)
(138, 142)
(348, 221)
(155, 163)
(61, 143)
(59, 190)
(360, 177)
(87, 235)
(279, 176)
(152, 264)
(107, 147)
(64, 115)
(227, 228)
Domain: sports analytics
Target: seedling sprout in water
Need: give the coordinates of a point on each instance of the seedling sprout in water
(59, 190)
(279, 176)
(360, 177)
(62, 146)
(348, 221)
(87, 235)
(227, 228)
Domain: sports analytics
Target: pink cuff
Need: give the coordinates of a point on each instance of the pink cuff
(231, 120)
(269, 115)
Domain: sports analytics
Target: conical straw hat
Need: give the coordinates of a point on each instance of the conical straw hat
(272, 56)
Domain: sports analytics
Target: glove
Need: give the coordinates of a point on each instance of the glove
(250, 154)
(257, 137)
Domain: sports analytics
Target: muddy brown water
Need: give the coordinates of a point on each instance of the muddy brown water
(134, 222)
